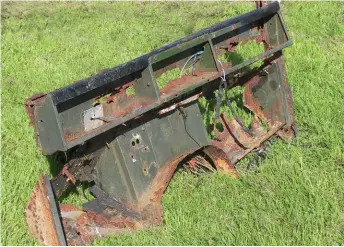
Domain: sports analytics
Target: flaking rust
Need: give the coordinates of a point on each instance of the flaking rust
(42, 215)
(127, 146)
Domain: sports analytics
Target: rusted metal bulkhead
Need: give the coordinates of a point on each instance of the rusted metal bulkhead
(124, 133)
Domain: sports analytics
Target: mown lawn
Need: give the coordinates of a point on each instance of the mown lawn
(295, 198)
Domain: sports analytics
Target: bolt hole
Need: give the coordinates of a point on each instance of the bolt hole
(41, 121)
(137, 141)
(145, 172)
(31, 106)
(133, 143)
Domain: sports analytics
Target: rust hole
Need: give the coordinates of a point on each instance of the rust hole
(219, 127)
(130, 91)
(242, 52)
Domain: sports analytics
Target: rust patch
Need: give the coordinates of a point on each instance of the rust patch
(83, 227)
(68, 136)
(150, 202)
(70, 177)
(30, 104)
(221, 161)
(68, 208)
(123, 105)
(175, 86)
(39, 216)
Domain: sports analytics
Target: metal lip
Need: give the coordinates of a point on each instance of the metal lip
(55, 213)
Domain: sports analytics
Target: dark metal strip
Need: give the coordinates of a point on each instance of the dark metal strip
(55, 213)
(89, 84)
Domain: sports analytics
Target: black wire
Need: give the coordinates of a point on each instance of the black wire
(238, 119)
(184, 118)
(224, 86)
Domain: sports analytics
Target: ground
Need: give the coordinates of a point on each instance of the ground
(295, 197)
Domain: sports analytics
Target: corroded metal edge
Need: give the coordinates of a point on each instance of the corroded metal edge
(42, 214)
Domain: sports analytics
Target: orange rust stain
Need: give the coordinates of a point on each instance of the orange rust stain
(186, 81)
(226, 167)
(39, 217)
(31, 103)
(68, 208)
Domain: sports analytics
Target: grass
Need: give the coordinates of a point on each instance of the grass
(296, 196)
(169, 75)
